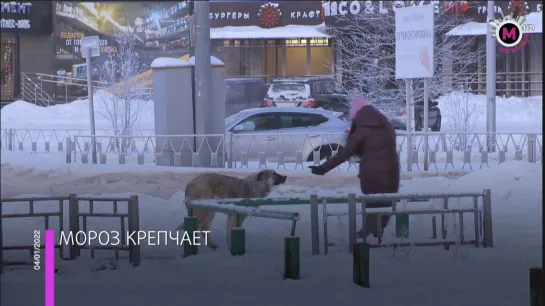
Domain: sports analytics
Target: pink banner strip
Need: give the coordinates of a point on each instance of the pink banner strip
(49, 268)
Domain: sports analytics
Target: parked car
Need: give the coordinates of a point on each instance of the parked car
(434, 117)
(307, 92)
(243, 93)
(288, 130)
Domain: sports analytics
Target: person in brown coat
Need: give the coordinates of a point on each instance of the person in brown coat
(373, 138)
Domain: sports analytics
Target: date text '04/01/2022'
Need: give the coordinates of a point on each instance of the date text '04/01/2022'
(152, 238)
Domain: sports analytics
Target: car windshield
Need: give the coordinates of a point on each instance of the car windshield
(233, 118)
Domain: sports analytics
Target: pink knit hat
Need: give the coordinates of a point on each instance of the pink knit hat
(358, 103)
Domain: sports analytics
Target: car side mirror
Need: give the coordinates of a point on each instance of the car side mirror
(238, 128)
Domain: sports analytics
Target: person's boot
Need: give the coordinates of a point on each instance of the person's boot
(360, 233)
(372, 226)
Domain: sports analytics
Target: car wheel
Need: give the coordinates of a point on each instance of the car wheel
(437, 126)
(325, 152)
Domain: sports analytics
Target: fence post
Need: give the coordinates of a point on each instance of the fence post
(402, 222)
(230, 148)
(352, 211)
(10, 139)
(360, 267)
(190, 227)
(74, 144)
(238, 241)
(314, 227)
(134, 222)
(488, 241)
(292, 258)
(536, 287)
(68, 150)
(532, 154)
(73, 225)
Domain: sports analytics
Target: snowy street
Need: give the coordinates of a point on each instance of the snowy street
(357, 153)
(423, 275)
(426, 276)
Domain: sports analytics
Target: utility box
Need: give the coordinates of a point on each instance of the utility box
(173, 110)
(177, 114)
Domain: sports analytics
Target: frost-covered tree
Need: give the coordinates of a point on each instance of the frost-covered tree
(121, 106)
(366, 42)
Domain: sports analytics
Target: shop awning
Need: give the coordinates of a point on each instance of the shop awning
(255, 32)
(481, 28)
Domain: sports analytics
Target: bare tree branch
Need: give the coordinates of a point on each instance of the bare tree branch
(122, 106)
(367, 44)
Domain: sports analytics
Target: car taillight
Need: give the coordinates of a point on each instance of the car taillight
(310, 103)
(267, 103)
(403, 113)
(347, 131)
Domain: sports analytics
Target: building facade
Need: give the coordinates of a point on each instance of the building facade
(520, 70)
(269, 40)
(254, 39)
(518, 73)
(26, 43)
(259, 39)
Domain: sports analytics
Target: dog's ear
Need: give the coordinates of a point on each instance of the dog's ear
(261, 176)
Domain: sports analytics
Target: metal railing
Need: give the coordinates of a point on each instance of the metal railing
(41, 140)
(520, 84)
(482, 218)
(445, 150)
(67, 89)
(72, 205)
(32, 91)
(482, 215)
(36, 245)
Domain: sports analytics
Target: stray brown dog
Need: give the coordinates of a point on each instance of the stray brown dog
(219, 186)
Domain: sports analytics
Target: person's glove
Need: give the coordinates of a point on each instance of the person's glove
(317, 170)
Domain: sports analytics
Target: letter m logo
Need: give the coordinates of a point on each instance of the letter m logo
(512, 33)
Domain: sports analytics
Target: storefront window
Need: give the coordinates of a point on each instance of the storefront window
(7, 66)
(296, 42)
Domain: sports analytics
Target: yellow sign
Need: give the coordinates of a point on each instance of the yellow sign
(143, 79)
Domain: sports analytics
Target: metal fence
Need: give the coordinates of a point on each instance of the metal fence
(77, 217)
(481, 212)
(47, 89)
(52, 140)
(417, 150)
(31, 247)
(482, 218)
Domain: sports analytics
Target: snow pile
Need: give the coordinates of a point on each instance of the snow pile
(73, 115)
(421, 276)
(513, 115)
(168, 62)
(255, 32)
(523, 115)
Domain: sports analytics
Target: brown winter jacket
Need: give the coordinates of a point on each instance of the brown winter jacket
(374, 140)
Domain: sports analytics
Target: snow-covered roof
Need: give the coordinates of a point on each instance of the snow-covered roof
(481, 28)
(214, 61)
(168, 62)
(255, 32)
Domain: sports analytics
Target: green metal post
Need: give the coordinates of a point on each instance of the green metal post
(360, 272)
(238, 241)
(291, 258)
(190, 227)
(402, 226)
(536, 286)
